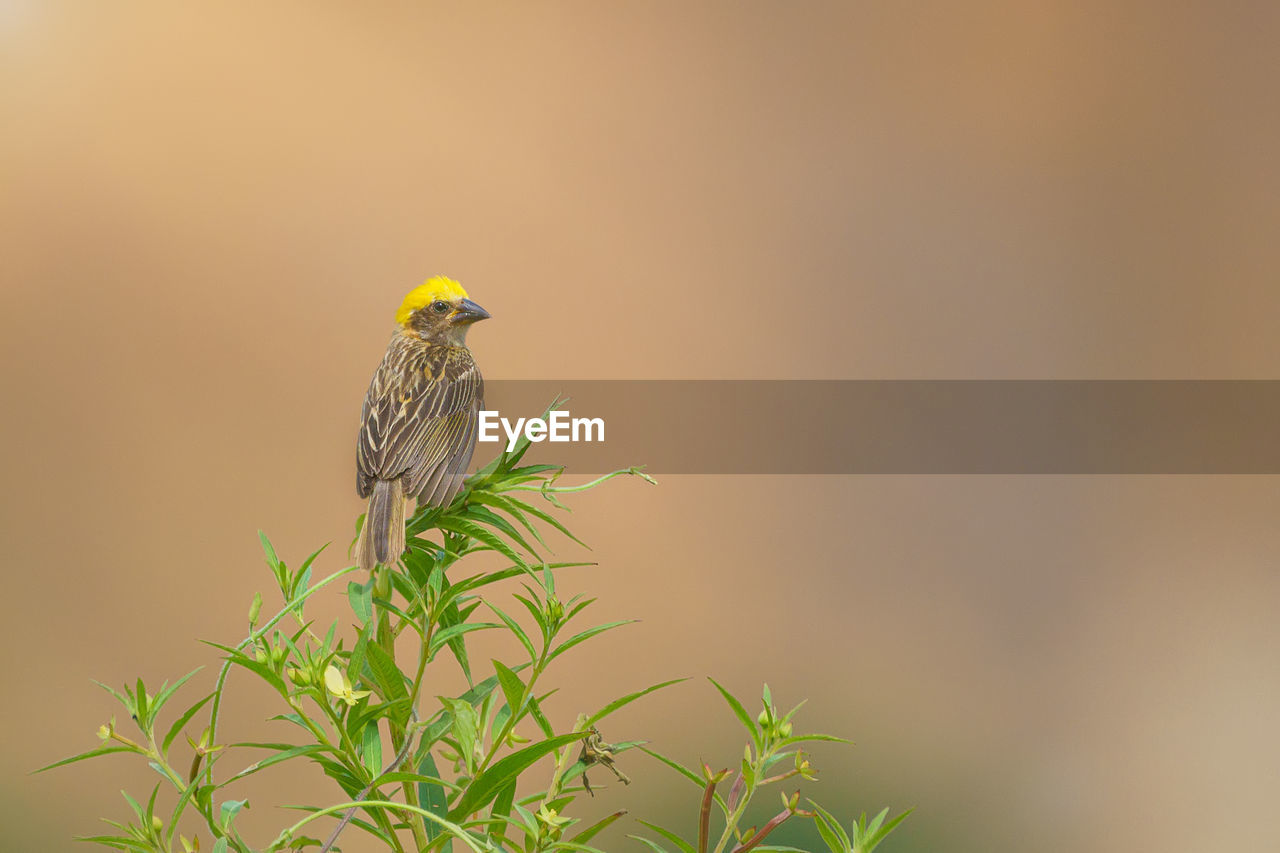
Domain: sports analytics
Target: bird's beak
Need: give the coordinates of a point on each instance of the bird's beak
(468, 312)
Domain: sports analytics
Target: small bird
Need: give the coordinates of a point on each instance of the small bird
(418, 425)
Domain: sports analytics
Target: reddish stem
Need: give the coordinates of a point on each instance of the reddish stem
(735, 792)
(704, 815)
(769, 827)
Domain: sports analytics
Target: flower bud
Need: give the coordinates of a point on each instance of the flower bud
(784, 729)
(254, 609)
(156, 823)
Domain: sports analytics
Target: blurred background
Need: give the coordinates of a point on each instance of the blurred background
(208, 215)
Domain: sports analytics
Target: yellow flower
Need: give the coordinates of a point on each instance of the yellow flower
(339, 685)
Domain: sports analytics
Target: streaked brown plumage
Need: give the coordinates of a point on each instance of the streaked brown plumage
(418, 425)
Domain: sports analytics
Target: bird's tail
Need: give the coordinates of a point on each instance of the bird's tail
(382, 537)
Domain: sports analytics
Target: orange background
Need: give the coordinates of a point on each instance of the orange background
(209, 214)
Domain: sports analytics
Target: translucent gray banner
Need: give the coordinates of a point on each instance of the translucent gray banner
(903, 427)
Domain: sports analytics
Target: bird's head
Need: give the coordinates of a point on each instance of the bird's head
(439, 311)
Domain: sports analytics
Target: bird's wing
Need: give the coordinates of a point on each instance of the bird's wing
(419, 417)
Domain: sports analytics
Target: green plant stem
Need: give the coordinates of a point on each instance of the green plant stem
(732, 822)
(350, 813)
(154, 753)
(387, 640)
(534, 671)
(564, 490)
(423, 654)
(452, 828)
(348, 747)
(255, 636)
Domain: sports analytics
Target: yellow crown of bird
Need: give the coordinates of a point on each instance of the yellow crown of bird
(437, 287)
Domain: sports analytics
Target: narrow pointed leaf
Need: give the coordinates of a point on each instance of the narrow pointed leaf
(181, 723)
(741, 713)
(628, 699)
(485, 787)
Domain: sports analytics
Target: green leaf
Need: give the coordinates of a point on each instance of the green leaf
(876, 835)
(181, 723)
(133, 804)
(652, 845)
(741, 713)
(140, 698)
(437, 728)
(263, 670)
(93, 753)
(303, 576)
(281, 756)
(371, 748)
(487, 537)
(179, 807)
(357, 822)
(512, 687)
(676, 766)
(400, 776)
(515, 628)
(814, 737)
(465, 726)
(269, 550)
(168, 691)
(511, 508)
(360, 596)
(578, 608)
(446, 635)
(586, 635)
(450, 617)
(535, 709)
(432, 796)
(358, 658)
(119, 842)
(549, 519)
(670, 836)
(830, 829)
(592, 831)
(535, 611)
(220, 846)
(120, 697)
(486, 786)
(387, 677)
(229, 810)
(502, 808)
(628, 699)
(486, 516)
(340, 773)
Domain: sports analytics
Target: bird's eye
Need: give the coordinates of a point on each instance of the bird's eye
(439, 306)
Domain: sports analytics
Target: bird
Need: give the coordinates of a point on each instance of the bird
(418, 425)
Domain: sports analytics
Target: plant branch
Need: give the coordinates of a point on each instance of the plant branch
(351, 811)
